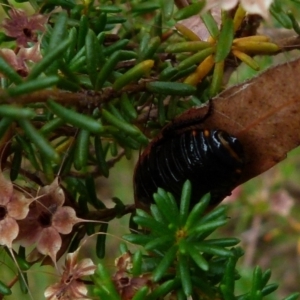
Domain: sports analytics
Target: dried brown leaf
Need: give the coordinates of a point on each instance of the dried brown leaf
(263, 113)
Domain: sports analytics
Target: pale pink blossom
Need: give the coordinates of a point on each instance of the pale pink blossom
(22, 27)
(281, 203)
(18, 60)
(126, 284)
(260, 7)
(13, 206)
(47, 219)
(70, 286)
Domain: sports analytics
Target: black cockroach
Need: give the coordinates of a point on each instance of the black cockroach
(211, 159)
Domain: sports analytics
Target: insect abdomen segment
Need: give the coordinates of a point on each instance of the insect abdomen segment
(211, 159)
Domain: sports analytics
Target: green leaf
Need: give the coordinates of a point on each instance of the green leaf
(127, 107)
(7, 70)
(226, 293)
(213, 250)
(145, 7)
(185, 202)
(104, 282)
(256, 282)
(197, 257)
(138, 239)
(4, 125)
(41, 143)
(141, 293)
(16, 164)
(295, 23)
(217, 213)
(224, 41)
(107, 68)
(51, 126)
(50, 58)
(32, 86)
(270, 288)
(217, 79)
(122, 125)
(223, 242)
(195, 58)
(59, 31)
(75, 118)
(90, 189)
(151, 48)
(151, 224)
(167, 73)
(294, 296)
(30, 152)
(174, 88)
(157, 215)
(167, 7)
(282, 18)
(110, 8)
(92, 49)
(160, 242)
(165, 263)
(191, 46)
(134, 74)
(137, 263)
(190, 10)
(101, 157)
(15, 112)
(164, 289)
(115, 47)
(183, 269)
(168, 208)
(265, 277)
(196, 212)
(228, 280)
(83, 30)
(82, 149)
(72, 38)
(4, 289)
(210, 24)
(101, 238)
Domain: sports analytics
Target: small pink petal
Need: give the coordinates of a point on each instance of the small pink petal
(6, 190)
(30, 232)
(51, 291)
(78, 290)
(64, 219)
(53, 195)
(38, 21)
(9, 230)
(49, 243)
(32, 54)
(260, 7)
(85, 267)
(18, 207)
(228, 4)
(71, 260)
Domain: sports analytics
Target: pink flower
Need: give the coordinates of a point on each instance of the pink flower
(260, 7)
(126, 284)
(281, 203)
(70, 286)
(47, 219)
(24, 28)
(13, 206)
(18, 61)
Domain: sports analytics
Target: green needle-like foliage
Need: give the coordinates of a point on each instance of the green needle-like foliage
(181, 255)
(84, 84)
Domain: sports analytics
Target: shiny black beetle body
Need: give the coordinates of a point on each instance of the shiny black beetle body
(211, 159)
